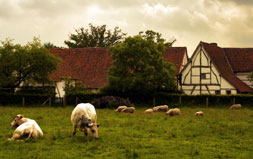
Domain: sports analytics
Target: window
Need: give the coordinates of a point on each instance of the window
(203, 76)
(217, 92)
(228, 92)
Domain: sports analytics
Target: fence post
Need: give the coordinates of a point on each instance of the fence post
(23, 101)
(76, 100)
(180, 100)
(64, 101)
(233, 100)
(49, 101)
(206, 101)
(154, 101)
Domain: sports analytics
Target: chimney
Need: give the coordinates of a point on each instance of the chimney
(215, 44)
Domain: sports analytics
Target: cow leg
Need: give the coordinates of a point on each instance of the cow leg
(85, 132)
(74, 130)
(30, 134)
(15, 136)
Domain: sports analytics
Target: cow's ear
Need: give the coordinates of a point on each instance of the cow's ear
(19, 116)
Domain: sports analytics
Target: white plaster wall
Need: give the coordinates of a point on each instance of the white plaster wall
(59, 89)
(244, 77)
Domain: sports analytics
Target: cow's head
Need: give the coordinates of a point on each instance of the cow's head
(17, 120)
(93, 129)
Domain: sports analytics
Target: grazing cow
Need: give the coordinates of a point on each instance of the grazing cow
(120, 108)
(84, 117)
(25, 128)
(128, 110)
(148, 111)
(173, 112)
(161, 108)
(199, 113)
(236, 106)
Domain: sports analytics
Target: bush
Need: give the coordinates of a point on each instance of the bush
(110, 102)
(163, 98)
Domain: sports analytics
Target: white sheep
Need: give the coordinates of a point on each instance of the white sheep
(199, 113)
(128, 110)
(236, 106)
(120, 108)
(162, 108)
(148, 111)
(172, 112)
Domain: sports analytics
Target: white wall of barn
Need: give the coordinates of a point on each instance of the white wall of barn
(59, 89)
(60, 85)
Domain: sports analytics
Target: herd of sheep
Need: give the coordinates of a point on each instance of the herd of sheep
(84, 117)
(161, 108)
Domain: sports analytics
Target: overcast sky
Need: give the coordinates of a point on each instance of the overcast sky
(227, 22)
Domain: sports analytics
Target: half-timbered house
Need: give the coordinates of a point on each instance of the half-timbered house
(209, 71)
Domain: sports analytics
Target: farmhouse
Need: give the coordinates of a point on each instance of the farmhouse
(90, 65)
(216, 70)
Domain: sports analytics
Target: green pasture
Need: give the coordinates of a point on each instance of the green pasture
(221, 133)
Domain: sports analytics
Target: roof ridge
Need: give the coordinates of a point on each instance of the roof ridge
(227, 59)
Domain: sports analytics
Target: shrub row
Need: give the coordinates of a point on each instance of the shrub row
(147, 100)
(17, 99)
(170, 99)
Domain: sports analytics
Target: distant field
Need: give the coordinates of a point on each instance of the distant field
(221, 133)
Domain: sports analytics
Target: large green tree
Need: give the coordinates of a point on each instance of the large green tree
(138, 66)
(31, 62)
(95, 36)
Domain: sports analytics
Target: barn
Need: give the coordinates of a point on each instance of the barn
(90, 65)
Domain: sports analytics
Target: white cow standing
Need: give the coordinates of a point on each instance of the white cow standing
(84, 117)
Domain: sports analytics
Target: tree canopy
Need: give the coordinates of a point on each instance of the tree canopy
(155, 37)
(29, 63)
(95, 36)
(138, 66)
(50, 45)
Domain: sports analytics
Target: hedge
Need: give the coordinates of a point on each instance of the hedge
(171, 99)
(17, 99)
(135, 99)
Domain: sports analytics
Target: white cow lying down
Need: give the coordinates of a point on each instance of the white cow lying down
(84, 117)
(25, 128)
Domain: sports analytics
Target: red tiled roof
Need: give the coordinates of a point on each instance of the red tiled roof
(90, 65)
(241, 59)
(221, 62)
(175, 55)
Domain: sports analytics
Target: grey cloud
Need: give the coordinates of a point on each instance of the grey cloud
(192, 21)
(241, 2)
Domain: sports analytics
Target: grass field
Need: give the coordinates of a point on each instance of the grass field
(221, 133)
